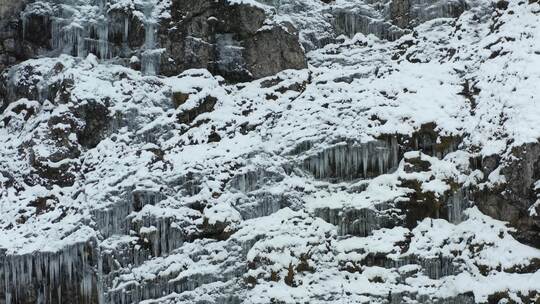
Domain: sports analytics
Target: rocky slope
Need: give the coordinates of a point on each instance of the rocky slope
(273, 151)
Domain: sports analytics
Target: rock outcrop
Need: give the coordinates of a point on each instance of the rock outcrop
(10, 49)
(510, 191)
(159, 37)
(231, 40)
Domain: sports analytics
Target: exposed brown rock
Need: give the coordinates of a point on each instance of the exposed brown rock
(510, 201)
(226, 39)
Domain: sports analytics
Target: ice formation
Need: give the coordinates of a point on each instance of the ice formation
(107, 29)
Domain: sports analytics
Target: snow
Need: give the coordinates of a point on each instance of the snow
(153, 181)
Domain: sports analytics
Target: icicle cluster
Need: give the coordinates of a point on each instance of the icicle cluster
(349, 161)
(51, 277)
(99, 28)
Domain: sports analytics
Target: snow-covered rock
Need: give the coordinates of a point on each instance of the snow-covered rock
(399, 165)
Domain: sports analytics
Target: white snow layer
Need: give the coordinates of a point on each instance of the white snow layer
(254, 182)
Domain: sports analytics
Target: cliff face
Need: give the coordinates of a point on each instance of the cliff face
(237, 41)
(272, 151)
(159, 37)
(9, 11)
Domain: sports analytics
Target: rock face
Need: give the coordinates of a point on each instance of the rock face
(228, 40)
(273, 50)
(236, 41)
(273, 151)
(386, 19)
(159, 37)
(514, 198)
(400, 13)
(409, 13)
(9, 32)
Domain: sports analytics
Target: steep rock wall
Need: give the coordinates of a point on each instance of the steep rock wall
(10, 51)
(158, 37)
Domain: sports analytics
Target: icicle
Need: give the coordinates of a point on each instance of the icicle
(456, 204)
(56, 29)
(24, 18)
(103, 36)
(365, 158)
(351, 161)
(125, 37)
(151, 56)
(80, 41)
